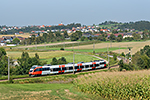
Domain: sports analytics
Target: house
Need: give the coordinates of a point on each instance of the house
(116, 35)
(127, 35)
(96, 35)
(104, 30)
(20, 38)
(87, 35)
(8, 39)
(2, 43)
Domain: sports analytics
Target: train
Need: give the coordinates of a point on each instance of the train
(37, 70)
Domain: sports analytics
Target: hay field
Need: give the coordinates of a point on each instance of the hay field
(23, 35)
(42, 55)
(136, 46)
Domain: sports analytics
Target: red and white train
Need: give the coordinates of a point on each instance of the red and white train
(55, 69)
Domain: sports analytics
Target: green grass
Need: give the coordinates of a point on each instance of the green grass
(96, 50)
(43, 91)
(13, 76)
(78, 58)
(83, 50)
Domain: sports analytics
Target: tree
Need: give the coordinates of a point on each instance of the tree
(115, 57)
(54, 61)
(62, 61)
(112, 37)
(74, 37)
(66, 34)
(90, 38)
(121, 64)
(82, 38)
(25, 63)
(16, 40)
(36, 56)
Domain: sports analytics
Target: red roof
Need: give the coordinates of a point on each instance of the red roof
(97, 34)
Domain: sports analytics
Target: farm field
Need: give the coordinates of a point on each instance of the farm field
(136, 46)
(128, 85)
(23, 35)
(42, 55)
(80, 50)
(43, 92)
(47, 56)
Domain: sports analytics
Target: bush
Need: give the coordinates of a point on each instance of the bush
(62, 49)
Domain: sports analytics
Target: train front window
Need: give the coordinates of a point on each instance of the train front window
(33, 67)
(31, 70)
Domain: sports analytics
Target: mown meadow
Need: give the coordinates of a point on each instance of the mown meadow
(134, 85)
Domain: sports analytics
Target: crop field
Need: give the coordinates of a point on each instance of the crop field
(134, 85)
(42, 92)
(136, 46)
(42, 55)
(23, 35)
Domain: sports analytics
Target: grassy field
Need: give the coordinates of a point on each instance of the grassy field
(47, 56)
(81, 50)
(134, 85)
(78, 58)
(43, 92)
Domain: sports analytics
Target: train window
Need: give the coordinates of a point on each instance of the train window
(38, 69)
(76, 67)
(96, 65)
(45, 69)
(81, 66)
(56, 69)
(91, 65)
(102, 62)
(70, 68)
(86, 66)
(64, 68)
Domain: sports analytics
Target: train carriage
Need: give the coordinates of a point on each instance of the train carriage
(55, 69)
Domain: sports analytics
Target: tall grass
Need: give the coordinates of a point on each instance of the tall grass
(116, 85)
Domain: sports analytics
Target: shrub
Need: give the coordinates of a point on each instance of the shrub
(62, 49)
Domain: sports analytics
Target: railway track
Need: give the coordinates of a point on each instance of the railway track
(115, 66)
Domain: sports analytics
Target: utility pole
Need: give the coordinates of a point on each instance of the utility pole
(36, 45)
(94, 47)
(45, 45)
(119, 49)
(108, 54)
(8, 70)
(64, 45)
(73, 61)
(78, 46)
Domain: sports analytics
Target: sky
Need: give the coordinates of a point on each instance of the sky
(86, 12)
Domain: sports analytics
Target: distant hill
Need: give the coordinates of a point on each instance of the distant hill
(139, 25)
